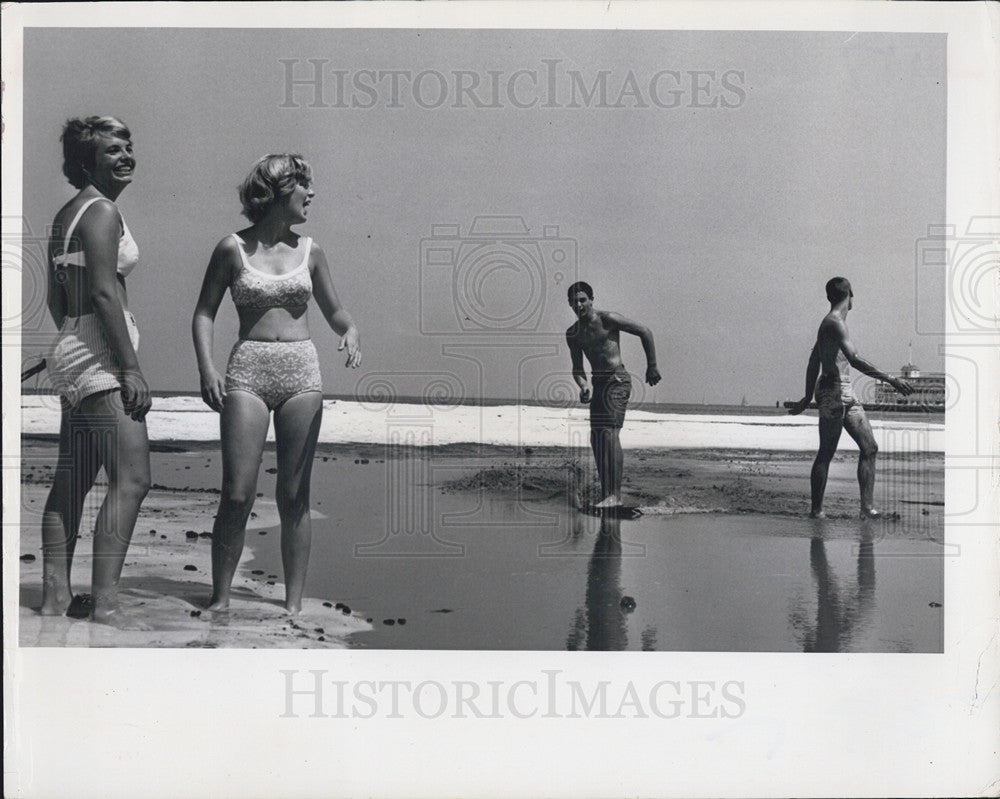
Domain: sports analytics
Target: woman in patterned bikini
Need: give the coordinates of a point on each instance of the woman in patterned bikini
(271, 272)
(93, 366)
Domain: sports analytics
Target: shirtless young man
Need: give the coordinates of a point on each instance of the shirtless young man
(839, 408)
(596, 335)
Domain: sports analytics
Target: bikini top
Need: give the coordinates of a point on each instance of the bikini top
(252, 288)
(128, 250)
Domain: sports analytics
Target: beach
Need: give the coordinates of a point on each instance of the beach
(186, 419)
(464, 519)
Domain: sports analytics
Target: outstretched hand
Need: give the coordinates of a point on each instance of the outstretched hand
(352, 341)
(798, 407)
(902, 387)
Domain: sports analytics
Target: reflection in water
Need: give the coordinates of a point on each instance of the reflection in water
(838, 615)
(601, 624)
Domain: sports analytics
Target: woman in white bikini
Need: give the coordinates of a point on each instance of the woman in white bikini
(271, 272)
(93, 366)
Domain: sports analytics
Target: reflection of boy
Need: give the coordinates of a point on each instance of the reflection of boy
(596, 334)
(839, 409)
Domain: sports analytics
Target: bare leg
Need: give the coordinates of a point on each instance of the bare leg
(296, 428)
(243, 430)
(597, 444)
(858, 428)
(619, 465)
(124, 450)
(76, 469)
(829, 436)
(608, 452)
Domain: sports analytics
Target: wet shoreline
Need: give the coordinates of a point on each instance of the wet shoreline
(478, 523)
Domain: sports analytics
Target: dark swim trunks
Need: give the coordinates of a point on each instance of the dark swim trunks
(610, 398)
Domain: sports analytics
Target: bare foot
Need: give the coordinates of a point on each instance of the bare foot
(55, 604)
(218, 605)
(817, 514)
(870, 513)
(118, 618)
(293, 608)
(609, 502)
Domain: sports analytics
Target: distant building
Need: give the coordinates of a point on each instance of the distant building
(929, 389)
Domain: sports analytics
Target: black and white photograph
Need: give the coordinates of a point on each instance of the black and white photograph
(501, 339)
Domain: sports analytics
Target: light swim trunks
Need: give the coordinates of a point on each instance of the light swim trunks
(835, 398)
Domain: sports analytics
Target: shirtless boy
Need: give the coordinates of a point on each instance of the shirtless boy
(596, 334)
(839, 408)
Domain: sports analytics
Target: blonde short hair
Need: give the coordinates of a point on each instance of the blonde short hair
(79, 141)
(270, 179)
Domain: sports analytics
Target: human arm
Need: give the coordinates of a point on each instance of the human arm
(100, 230)
(576, 356)
(55, 296)
(812, 373)
(336, 315)
(217, 278)
(868, 368)
(646, 337)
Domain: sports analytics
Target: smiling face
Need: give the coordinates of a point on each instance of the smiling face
(114, 165)
(581, 304)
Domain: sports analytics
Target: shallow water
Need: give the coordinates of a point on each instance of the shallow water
(469, 571)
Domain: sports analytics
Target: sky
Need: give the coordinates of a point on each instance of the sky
(709, 193)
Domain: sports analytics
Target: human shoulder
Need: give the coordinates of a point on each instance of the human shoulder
(228, 247)
(226, 257)
(612, 320)
(316, 256)
(100, 214)
(832, 326)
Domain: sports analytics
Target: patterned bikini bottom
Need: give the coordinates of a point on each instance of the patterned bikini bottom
(274, 371)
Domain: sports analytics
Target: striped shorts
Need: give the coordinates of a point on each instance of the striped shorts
(82, 362)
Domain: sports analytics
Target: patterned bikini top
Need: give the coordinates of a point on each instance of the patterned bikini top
(128, 250)
(252, 288)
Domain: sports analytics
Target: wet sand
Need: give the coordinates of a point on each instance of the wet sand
(456, 541)
(166, 580)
